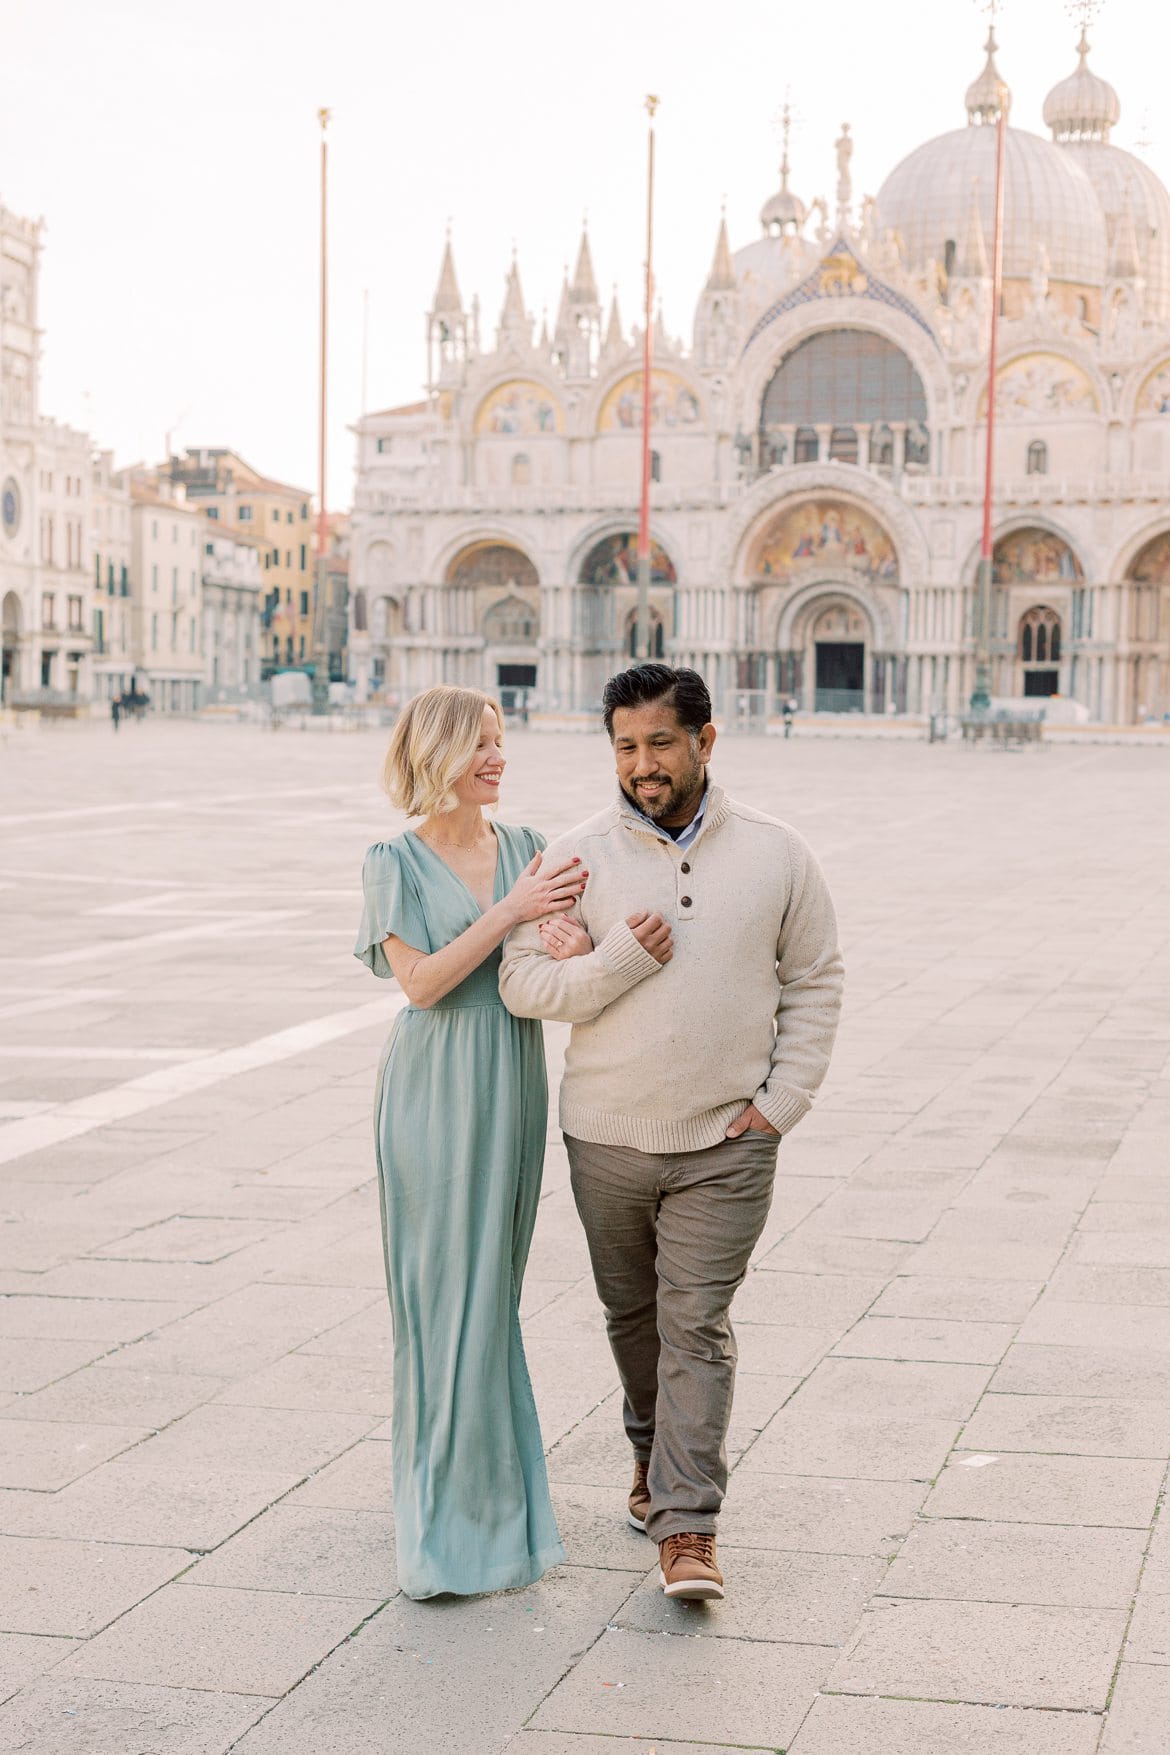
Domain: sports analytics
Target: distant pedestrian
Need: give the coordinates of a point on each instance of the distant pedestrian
(116, 711)
(790, 707)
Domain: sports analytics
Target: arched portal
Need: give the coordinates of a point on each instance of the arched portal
(824, 570)
(9, 646)
(1148, 616)
(605, 603)
(497, 596)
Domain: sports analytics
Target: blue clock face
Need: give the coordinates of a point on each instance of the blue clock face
(10, 507)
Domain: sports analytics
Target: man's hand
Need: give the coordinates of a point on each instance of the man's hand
(750, 1121)
(653, 934)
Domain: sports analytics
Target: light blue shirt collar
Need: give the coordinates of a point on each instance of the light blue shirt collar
(688, 834)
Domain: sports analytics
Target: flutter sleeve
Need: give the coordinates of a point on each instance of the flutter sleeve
(391, 905)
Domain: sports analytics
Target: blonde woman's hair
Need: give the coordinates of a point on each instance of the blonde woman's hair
(433, 742)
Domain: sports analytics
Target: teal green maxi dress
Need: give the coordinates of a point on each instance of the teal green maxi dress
(459, 1125)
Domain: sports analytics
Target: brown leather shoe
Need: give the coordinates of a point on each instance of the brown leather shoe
(687, 1567)
(639, 1501)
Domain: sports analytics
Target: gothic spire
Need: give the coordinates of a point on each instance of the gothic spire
(584, 289)
(722, 275)
(515, 327)
(447, 300)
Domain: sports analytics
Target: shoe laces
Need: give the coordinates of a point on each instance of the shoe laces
(695, 1545)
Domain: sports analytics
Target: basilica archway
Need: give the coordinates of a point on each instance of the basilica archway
(820, 615)
(1148, 615)
(9, 644)
(495, 594)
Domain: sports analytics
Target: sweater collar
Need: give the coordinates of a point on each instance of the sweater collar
(714, 810)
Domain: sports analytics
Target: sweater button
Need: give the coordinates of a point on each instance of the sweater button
(684, 868)
(684, 901)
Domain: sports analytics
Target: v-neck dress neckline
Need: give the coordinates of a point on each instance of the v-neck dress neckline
(462, 882)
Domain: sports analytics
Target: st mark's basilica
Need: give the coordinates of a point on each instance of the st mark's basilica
(817, 452)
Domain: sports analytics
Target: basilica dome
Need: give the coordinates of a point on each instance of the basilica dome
(1052, 213)
(1082, 111)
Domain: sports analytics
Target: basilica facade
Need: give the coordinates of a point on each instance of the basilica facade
(817, 453)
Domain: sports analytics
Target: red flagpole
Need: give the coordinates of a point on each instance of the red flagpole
(642, 632)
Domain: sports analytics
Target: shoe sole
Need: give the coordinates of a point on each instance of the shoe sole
(692, 1590)
(638, 1523)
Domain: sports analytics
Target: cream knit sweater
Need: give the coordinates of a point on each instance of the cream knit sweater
(663, 1057)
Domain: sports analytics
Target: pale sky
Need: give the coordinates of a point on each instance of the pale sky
(173, 152)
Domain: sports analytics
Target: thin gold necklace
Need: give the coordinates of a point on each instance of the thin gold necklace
(461, 846)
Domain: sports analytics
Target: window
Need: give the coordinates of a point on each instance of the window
(245, 514)
(382, 447)
(125, 581)
(305, 509)
(301, 647)
(75, 614)
(212, 511)
(840, 378)
(174, 533)
(303, 557)
(806, 446)
(276, 514)
(843, 445)
(1037, 457)
(655, 466)
(521, 470)
(154, 631)
(48, 609)
(1040, 641)
(174, 584)
(288, 517)
(304, 603)
(154, 530)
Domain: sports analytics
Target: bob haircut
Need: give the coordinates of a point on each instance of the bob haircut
(433, 742)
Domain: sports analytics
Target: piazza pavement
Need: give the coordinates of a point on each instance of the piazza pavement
(952, 1420)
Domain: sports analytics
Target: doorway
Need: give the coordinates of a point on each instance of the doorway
(840, 676)
(1041, 682)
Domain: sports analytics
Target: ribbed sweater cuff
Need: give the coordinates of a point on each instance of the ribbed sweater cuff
(783, 1108)
(620, 950)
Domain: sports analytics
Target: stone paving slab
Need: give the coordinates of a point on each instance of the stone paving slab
(968, 1258)
(916, 1727)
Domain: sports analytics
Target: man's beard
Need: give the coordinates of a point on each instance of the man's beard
(676, 797)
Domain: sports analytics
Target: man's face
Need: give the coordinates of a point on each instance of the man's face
(660, 765)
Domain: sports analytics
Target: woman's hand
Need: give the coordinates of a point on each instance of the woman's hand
(552, 891)
(564, 937)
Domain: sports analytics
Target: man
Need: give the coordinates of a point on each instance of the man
(703, 1020)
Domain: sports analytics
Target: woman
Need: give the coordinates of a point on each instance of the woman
(460, 1128)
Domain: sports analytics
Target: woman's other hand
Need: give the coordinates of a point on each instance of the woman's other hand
(552, 891)
(565, 937)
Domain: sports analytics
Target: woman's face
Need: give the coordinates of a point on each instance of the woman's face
(481, 782)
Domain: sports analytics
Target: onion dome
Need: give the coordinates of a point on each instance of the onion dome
(783, 212)
(989, 93)
(1049, 197)
(1084, 106)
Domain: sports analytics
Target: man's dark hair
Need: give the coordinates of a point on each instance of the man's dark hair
(684, 690)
